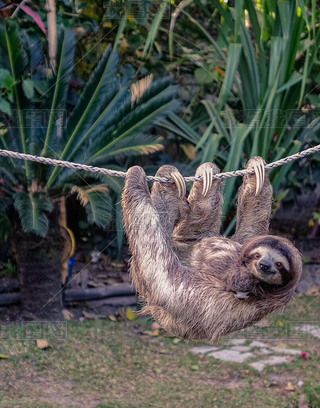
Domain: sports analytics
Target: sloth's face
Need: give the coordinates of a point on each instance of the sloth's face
(269, 265)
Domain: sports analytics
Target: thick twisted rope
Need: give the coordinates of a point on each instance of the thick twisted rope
(116, 173)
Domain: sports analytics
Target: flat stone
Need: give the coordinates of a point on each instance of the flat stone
(231, 355)
(310, 329)
(292, 352)
(236, 342)
(241, 348)
(256, 343)
(273, 360)
(263, 351)
(203, 349)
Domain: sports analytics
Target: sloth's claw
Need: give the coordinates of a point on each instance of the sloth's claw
(207, 180)
(260, 173)
(180, 183)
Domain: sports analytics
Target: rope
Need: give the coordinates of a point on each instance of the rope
(116, 173)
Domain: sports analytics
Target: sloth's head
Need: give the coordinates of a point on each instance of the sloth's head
(272, 260)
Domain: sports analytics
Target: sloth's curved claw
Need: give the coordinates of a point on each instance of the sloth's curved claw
(180, 183)
(207, 180)
(260, 174)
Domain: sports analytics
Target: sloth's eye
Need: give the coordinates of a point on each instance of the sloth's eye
(256, 255)
(278, 264)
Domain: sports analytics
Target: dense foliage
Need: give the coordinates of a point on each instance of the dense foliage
(42, 114)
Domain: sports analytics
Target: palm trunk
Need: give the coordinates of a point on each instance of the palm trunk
(38, 261)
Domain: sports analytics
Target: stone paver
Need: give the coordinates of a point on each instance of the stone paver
(281, 350)
(236, 342)
(273, 360)
(256, 343)
(203, 349)
(241, 348)
(230, 355)
(236, 352)
(312, 329)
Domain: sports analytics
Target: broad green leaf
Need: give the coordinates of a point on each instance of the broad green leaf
(28, 88)
(203, 76)
(156, 21)
(5, 106)
(234, 51)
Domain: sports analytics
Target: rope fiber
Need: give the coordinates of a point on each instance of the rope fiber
(116, 173)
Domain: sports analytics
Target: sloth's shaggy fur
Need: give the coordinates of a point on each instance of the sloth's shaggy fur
(185, 272)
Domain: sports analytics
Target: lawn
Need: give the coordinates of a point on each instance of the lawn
(124, 364)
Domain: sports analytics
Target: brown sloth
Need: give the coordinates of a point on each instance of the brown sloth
(196, 283)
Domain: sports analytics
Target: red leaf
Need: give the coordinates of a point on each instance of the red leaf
(34, 15)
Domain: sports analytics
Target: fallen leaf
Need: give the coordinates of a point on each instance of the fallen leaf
(42, 344)
(113, 318)
(194, 368)
(313, 291)
(130, 314)
(289, 387)
(67, 314)
(157, 370)
(279, 323)
(153, 333)
(176, 340)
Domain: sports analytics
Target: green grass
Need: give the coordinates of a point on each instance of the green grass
(105, 364)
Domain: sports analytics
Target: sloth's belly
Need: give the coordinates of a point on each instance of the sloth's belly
(215, 255)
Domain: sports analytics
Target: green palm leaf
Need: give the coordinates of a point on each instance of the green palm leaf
(12, 55)
(97, 203)
(97, 94)
(32, 209)
(60, 84)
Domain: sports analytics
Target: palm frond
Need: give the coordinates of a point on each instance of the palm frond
(60, 85)
(97, 203)
(32, 209)
(13, 57)
(135, 145)
(138, 89)
(152, 107)
(95, 96)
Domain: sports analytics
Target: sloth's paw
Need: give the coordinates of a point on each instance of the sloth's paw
(136, 179)
(171, 172)
(206, 170)
(257, 164)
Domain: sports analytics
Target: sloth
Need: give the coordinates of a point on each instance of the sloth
(196, 283)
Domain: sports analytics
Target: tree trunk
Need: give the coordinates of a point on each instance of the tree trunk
(38, 261)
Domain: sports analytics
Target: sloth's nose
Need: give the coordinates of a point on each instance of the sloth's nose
(265, 266)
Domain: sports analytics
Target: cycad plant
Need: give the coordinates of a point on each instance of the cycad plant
(107, 124)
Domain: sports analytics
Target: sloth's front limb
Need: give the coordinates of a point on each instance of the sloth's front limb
(203, 218)
(254, 203)
(154, 264)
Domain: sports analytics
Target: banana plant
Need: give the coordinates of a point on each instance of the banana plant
(108, 124)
